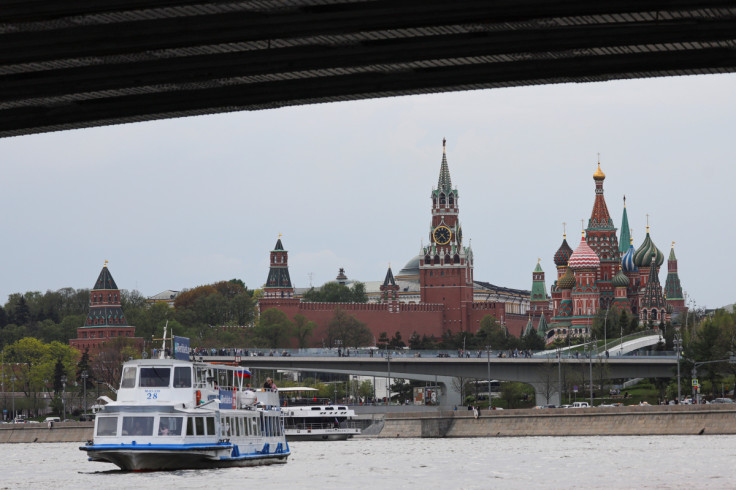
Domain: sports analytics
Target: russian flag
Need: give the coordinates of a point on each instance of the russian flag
(243, 373)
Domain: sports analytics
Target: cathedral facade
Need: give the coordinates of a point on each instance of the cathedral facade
(436, 291)
(606, 272)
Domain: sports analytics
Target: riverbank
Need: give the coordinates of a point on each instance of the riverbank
(59, 432)
(599, 421)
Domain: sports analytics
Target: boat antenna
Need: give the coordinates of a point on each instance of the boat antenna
(162, 354)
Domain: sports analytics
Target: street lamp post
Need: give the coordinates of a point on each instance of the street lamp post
(605, 329)
(388, 381)
(84, 376)
(490, 400)
(590, 363)
(63, 398)
(559, 374)
(12, 416)
(678, 347)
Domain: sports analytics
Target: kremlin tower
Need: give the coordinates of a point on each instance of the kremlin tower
(105, 318)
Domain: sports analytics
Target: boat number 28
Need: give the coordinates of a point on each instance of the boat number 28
(151, 396)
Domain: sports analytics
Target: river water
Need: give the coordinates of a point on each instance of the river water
(524, 462)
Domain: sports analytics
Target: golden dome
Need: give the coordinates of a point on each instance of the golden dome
(599, 175)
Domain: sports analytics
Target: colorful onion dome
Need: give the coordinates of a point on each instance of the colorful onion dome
(627, 261)
(584, 257)
(567, 281)
(643, 255)
(620, 280)
(599, 175)
(563, 253)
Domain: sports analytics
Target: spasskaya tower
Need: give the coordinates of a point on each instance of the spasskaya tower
(446, 267)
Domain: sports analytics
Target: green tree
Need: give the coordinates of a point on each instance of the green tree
(365, 390)
(334, 292)
(347, 330)
(303, 330)
(396, 342)
(273, 329)
(532, 341)
(382, 341)
(493, 333)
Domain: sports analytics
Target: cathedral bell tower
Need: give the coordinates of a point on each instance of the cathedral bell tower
(446, 266)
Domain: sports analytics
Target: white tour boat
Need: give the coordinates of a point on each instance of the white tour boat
(175, 414)
(315, 419)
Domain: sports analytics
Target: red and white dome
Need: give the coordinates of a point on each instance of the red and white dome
(584, 257)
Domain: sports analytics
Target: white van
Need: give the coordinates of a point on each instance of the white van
(580, 405)
(51, 419)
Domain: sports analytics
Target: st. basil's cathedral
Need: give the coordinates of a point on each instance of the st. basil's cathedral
(606, 272)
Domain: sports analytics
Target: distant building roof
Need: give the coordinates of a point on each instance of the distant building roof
(168, 295)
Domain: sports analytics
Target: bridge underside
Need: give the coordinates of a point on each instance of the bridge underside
(89, 63)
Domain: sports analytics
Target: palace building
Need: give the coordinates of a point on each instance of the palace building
(435, 292)
(606, 272)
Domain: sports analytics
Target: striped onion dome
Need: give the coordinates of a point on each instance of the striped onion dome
(584, 257)
(620, 280)
(563, 253)
(627, 261)
(567, 281)
(643, 255)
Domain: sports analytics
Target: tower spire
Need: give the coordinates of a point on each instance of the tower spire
(444, 184)
(625, 236)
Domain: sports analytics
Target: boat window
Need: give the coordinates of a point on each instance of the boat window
(199, 424)
(328, 408)
(211, 426)
(227, 427)
(107, 426)
(237, 427)
(190, 426)
(170, 426)
(342, 408)
(128, 377)
(182, 377)
(155, 377)
(316, 408)
(137, 426)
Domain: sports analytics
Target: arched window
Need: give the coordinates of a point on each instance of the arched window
(452, 200)
(457, 259)
(436, 260)
(442, 199)
(448, 260)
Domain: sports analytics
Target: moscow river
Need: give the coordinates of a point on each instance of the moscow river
(523, 462)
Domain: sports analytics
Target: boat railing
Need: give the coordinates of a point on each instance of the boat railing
(321, 425)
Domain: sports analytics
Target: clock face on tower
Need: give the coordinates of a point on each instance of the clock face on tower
(442, 235)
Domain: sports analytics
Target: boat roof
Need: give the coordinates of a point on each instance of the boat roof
(179, 362)
(297, 388)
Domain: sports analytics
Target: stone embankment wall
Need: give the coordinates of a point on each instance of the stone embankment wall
(60, 432)
(615, 421)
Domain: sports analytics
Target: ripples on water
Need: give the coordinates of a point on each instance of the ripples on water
(530, 462)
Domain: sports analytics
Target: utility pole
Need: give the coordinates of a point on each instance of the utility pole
(678, 347)
(490, 401)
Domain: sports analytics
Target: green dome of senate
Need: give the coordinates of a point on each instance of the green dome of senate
(643, 255)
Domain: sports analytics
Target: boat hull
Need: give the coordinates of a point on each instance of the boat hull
(320, 434)
(167, 458)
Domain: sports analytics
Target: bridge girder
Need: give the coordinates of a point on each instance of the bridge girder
(79, 64)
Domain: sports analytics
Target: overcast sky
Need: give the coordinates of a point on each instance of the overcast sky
(179, 203)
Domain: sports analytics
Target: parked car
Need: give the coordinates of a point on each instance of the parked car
(580, 405)
(51, 419)
(722, 400)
